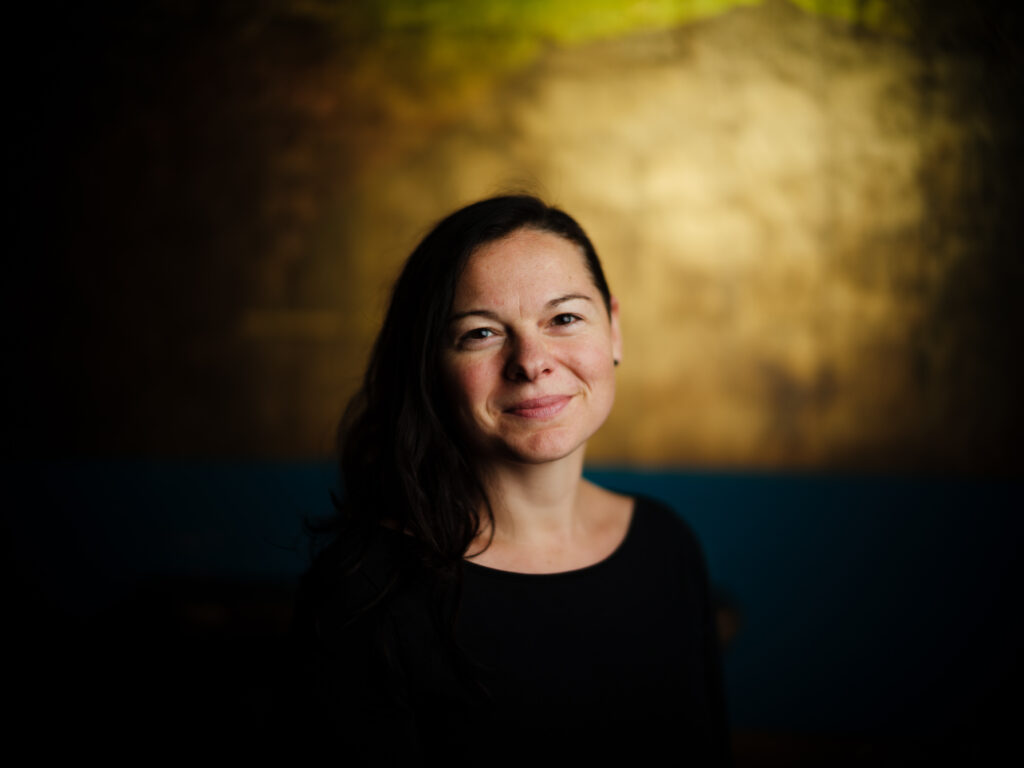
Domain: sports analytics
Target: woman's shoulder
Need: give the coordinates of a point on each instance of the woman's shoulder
(643, 517)
(352, 573)
(369, 554)
(657, 511)
(656, 521)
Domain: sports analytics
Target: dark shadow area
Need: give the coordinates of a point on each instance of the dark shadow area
(874, 620)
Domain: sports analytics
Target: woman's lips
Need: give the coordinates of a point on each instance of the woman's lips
(540, 408)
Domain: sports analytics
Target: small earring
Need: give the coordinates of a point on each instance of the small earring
(616, 363)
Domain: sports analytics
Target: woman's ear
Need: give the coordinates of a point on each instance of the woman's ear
(616, 332)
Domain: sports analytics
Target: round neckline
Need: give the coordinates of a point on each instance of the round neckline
(613, 555)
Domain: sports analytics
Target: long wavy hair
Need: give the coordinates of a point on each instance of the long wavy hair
(403, 462)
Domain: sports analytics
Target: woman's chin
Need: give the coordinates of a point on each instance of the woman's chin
(541, 449)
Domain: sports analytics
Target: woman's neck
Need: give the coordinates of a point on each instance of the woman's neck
(548, 519)
(537, 503)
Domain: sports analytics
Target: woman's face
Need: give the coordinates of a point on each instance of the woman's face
(530, 350)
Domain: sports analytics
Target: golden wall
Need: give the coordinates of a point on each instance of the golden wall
(801, 208)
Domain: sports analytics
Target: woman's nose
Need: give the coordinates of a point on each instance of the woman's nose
(529, 359)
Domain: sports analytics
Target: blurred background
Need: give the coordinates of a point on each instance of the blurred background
(808, 210)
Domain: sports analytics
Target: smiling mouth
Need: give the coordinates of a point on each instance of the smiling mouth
(540, 408)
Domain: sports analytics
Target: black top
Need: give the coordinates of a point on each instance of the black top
(618, 659)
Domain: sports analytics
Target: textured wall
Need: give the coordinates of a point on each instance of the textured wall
(808, 218)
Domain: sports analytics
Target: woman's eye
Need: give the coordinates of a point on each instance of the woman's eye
(477, 334)
(565, 319)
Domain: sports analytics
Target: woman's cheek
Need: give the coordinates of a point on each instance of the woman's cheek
(597, 364)
(472, 384)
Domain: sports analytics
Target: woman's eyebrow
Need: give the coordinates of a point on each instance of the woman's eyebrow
(482, 312)
(569, 297)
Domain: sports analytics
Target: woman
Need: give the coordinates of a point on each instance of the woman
(481, 601)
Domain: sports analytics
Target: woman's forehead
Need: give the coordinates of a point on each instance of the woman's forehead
(527, 260)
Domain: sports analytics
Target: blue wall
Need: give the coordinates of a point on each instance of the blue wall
(865, 601)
